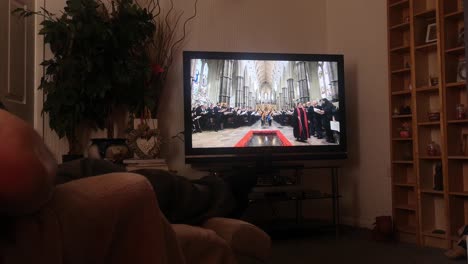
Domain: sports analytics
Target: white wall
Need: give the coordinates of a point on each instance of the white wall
(39, 57)
(58, 147)
(358, 30)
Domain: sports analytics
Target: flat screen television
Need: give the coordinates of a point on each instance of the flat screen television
(247, 106)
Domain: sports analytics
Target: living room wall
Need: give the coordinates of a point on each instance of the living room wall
(333, 26)
(357, 30)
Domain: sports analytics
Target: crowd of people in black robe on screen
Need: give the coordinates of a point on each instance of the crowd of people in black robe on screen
(308, 120)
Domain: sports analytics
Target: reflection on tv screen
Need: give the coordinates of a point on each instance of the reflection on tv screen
(257, 103)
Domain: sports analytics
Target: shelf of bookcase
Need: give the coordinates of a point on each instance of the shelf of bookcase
(432, 123)
(402, 139)
(405, 184)
(403, 3)
(400, 49)
(428, 14)
(429, 233)
(427, 89)
(401, 116)
(462, 194)
(404, 92)
(402, 162)
(400, 71)
(455, 85)
(457, 157)
(454, 15)
(456, 50)
(460, 121)
(409, 185)
(406, 207)
(430, 157)
(429, 191)
(427, 47)
(401, 26)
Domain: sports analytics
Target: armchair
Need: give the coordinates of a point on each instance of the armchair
(112, 218)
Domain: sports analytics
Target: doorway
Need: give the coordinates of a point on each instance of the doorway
(17, 53)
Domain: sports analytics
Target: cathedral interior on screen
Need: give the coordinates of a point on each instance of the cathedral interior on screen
(248, 103)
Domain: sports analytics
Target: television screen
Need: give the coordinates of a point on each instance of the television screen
(259, 103)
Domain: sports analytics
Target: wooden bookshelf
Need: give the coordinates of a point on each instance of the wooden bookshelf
(425, 76)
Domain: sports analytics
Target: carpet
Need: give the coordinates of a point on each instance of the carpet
(352, 246)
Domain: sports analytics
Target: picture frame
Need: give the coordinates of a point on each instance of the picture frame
(431, 33)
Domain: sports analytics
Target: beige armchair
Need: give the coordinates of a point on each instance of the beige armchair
(114, 218)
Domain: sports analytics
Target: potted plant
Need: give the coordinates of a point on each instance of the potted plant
(104, 60)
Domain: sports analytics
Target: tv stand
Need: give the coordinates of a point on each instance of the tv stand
(273, 188)
(270, 175)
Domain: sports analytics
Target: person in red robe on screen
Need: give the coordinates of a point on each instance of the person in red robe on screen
(300, 123)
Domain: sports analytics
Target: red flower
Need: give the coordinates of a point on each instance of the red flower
(156, 68)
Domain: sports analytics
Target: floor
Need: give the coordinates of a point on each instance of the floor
(352, 246)
(230, 136)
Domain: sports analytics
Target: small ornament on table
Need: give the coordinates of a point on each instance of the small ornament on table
(145, 141)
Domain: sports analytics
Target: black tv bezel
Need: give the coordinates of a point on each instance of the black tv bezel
(328, 152)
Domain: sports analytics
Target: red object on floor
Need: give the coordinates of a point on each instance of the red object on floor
(244, 140)
(383, 229)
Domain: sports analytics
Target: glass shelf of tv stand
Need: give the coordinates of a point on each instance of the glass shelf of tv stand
(287, 193)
